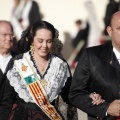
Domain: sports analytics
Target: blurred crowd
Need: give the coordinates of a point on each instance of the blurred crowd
(89, 33)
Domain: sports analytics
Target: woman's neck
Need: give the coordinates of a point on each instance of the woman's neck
(41, 62)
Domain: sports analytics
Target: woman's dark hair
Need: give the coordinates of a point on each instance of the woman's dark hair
(27, 35)
(42, 24)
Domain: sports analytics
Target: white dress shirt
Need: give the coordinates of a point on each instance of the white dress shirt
(4, 61)
(117, 54)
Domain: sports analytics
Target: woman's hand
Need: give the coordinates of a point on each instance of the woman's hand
(97, 99)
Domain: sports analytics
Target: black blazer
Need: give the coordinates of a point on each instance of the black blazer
(34, 14)
(97, 71)
(7, 101)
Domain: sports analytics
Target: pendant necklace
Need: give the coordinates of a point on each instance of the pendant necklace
(43, 70)
(43, 82)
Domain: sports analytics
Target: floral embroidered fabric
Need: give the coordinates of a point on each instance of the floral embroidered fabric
(56, 75)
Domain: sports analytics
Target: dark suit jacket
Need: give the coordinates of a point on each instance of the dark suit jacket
(97, 71)
(34, 14)
(9, 99)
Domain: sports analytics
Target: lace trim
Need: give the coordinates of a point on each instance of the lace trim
(56, 76)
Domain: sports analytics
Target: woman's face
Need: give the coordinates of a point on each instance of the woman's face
(42, 42)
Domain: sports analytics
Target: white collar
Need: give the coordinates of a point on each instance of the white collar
(5, 57)
(56, 77)
(116, 53)
(4, 61)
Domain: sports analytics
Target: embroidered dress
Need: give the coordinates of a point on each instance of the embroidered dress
(58, 80)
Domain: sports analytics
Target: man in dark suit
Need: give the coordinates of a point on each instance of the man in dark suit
(98, 70)
(6, 44)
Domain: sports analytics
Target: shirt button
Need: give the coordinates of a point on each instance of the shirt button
(111, 62)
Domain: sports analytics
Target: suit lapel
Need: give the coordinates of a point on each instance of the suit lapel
(1, 77)
(1, 74)
(3, 80)
(109, 56)
(113, 61)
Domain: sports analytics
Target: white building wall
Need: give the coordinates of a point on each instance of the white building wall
(61, 13)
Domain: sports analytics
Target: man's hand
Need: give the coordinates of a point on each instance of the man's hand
(114, 108)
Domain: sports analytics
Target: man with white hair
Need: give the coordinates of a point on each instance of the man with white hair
(6, 44)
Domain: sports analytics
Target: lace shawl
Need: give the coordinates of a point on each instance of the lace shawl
(56, 76)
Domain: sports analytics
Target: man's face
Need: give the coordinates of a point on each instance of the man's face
(6, 36)
(114, 32)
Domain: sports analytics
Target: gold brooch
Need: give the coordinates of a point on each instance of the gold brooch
(43, 82)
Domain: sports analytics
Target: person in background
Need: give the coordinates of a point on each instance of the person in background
(6, 53)
(98, 70)
(25, 13)
(81, 36)
(94, 34)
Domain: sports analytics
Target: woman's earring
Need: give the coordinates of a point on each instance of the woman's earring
(32, 48)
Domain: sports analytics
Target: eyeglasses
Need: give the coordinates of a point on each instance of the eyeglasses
(6, 35)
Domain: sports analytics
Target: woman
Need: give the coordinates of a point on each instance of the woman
(38, 75)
